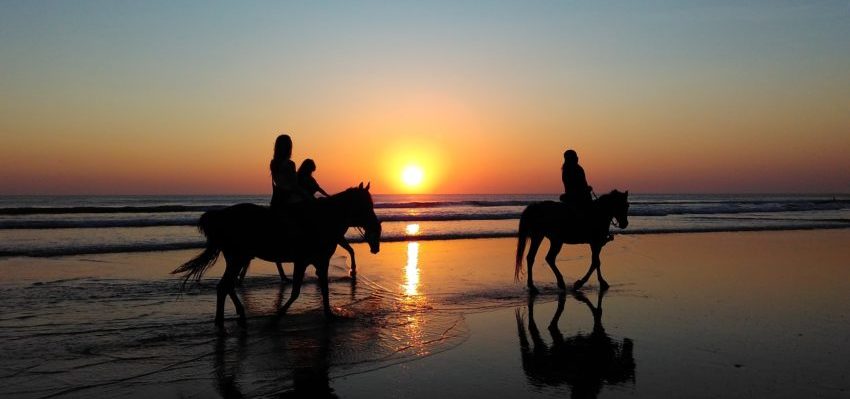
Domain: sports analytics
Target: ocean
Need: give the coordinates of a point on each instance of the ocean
(73, 225)
(700, 315)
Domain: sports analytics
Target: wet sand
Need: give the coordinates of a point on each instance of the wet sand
(761, 314)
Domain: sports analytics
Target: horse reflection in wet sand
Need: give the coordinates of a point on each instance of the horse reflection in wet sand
(563, 224)
(585, 362)
(306, 234)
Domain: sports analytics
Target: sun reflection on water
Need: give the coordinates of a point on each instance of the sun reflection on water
(413, 303)
(412, 229)
(411, 270)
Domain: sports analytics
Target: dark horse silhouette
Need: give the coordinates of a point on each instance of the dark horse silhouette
(306, 234)
(342, 243)
(585, 362)
(563, 224)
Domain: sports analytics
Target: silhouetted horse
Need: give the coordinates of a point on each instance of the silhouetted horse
(306, 234)
(563, 224)
(342, 243)
(585, 362)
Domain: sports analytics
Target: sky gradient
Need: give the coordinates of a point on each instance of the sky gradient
(128, 97)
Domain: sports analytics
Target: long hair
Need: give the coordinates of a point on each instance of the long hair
(282, 147)
(307, 167)
(282, 153)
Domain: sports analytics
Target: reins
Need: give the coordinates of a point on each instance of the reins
(613, 219)
(360, 230)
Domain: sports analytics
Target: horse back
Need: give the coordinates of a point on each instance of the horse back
(242, 226)
(560, 221)
(268, 233)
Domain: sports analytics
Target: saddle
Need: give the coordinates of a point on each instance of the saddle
(579, 212)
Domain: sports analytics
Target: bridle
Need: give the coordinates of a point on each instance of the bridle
(613, 218)
(614, 222)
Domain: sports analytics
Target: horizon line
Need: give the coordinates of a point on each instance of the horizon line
(418, 194)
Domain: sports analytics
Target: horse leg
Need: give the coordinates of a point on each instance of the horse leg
(594, 263)
(346, 246)
(224, 288)
(221, 293)
(283, 278)
(322, 273)
(597, 264)
(550, 259)
(240, 310)
(532, 327)
(529, 260)
(242, 265)
(297, 279)
(554, 331)
(242, 274)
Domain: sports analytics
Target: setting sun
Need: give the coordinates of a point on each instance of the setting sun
(412, 176)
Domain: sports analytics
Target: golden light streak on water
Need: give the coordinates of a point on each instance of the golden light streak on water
(411, 270)
(412, 229)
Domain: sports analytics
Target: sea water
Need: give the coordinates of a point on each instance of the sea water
(88, 307)
(70, 225)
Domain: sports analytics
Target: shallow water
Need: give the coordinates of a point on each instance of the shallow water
(697, 315)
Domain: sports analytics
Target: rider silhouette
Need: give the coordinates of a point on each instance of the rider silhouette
(284, 179)
(308, 188)
(577, 193)
(284, 190)
(307, 182)
(576, 189)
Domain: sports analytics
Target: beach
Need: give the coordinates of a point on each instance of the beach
(723, 314)
(702, 146)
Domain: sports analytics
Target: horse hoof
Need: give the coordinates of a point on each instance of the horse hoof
(578, 284)
(353, 274)
(533, 290)
(603, 286)
(285, 280)
(219, 324)
(242, 323)
(562, 286)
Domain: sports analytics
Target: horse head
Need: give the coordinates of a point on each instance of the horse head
(363, 215)
(620, 208)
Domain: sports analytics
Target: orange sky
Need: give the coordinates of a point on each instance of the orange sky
(691, 99)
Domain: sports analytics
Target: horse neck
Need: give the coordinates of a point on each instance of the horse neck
(606, 207)
(338, 206)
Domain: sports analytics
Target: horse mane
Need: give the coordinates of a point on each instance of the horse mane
(346, 194)
(606, 201)
(611, 195)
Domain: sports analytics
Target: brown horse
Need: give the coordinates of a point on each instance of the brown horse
(563, 224)
(305, 233)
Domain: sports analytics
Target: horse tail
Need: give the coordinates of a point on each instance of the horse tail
(194, 269)
(522, 239)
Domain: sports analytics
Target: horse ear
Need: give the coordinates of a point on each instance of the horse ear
(369, 184)
(361, 185)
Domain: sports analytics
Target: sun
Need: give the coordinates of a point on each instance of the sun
(412, 176)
